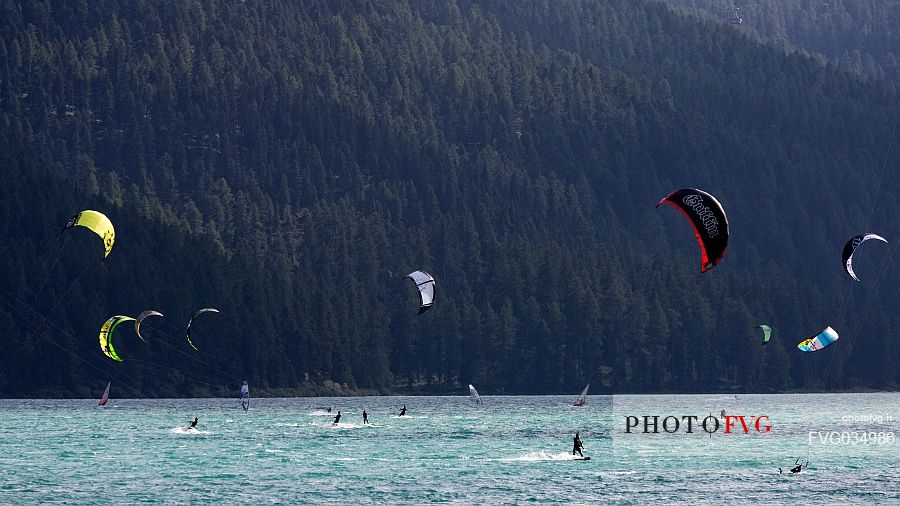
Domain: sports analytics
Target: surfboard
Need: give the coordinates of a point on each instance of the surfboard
(582, 458)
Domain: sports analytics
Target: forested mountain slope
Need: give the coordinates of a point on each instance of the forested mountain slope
(861, 35)
(290, 162)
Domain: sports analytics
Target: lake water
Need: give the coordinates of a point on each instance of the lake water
(508, 450)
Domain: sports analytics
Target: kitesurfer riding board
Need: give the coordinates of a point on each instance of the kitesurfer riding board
(578, 446)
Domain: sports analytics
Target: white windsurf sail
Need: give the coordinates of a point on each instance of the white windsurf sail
(105, 397)
(473, 395)
(583, 397)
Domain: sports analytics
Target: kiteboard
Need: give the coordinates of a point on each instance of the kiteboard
(582, 458)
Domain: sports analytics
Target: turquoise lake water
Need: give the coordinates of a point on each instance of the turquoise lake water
(508, 450)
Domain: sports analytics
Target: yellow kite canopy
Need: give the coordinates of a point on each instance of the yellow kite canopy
(99, 224)
(106, 333)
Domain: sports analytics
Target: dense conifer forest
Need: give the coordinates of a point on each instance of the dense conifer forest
(290, 162)
(860, 35)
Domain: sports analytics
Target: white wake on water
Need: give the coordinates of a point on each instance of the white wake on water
(188, 430)
(539, 457)
(346, 425)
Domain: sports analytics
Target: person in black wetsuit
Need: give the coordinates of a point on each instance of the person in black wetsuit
(577, 445)
(365, 417)
(403, 411)
(194, 423)
(797, 468)
(337, 419)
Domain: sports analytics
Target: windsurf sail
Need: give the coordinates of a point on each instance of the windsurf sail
(473, 395)
(105, 397)
(583, 397)
(425, 284)
(821, 340)
(245, 396)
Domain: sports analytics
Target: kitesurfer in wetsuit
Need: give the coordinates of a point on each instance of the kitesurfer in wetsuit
(403, 411)
(337, 418)
(798, 468)
(365, 417)
(194, 423)
(328, 410)
(577, 445)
